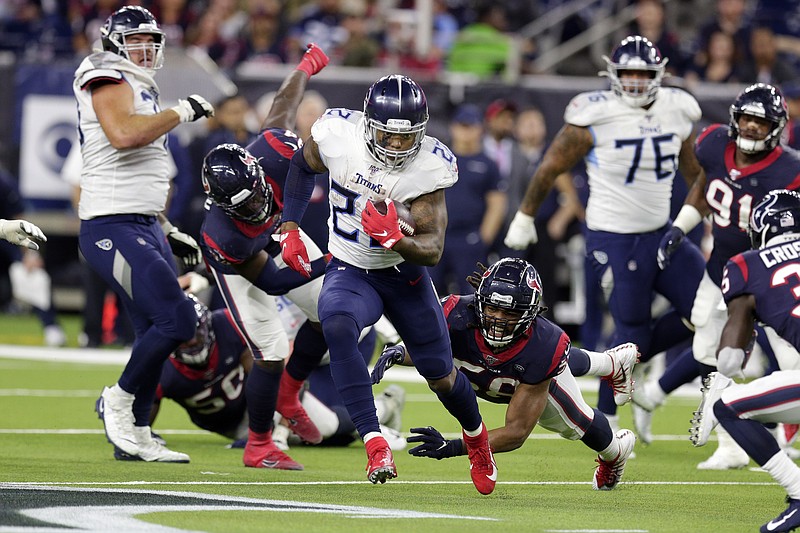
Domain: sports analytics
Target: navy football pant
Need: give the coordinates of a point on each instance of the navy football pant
(130, 252)
(352, 299)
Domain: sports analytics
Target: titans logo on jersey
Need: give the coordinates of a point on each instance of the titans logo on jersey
(213, 396)
(772, 276)
(540, 354)
(731, 192)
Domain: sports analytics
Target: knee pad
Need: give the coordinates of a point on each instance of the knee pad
(340, 330)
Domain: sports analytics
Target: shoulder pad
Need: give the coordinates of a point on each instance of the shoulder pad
(586, 108)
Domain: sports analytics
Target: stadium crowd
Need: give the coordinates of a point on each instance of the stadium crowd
(714, 40)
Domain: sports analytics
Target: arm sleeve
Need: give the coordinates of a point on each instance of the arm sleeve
(278, 281)
(299, 186)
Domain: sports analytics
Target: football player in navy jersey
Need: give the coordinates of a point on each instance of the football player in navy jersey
(760, 285)
(245, 196)
(633, 139)
(124, 235)
(383, 155)
(512, 355)
(741, 163)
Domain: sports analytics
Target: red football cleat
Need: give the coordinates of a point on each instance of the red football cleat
(380, 463)
(261, 452)
(482, 467)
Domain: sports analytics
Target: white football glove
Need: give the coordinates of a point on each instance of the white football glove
(193, 108)
(22, 233)
(521, 232)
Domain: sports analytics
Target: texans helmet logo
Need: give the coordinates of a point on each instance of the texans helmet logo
(532, 282)
(248, 159)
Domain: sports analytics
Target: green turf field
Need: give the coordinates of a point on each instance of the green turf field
(52, 438)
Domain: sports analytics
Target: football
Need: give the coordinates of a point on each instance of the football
(407, 225)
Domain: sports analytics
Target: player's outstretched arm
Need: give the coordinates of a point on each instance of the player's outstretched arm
(526, 406)
(283, 112)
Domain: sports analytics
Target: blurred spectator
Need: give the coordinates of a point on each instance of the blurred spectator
(483, 48)
(86, 19)
(717, 63)
(23, 271)
(320, 23)
(36, 31)
(765, 65)
(501, 146)
(360, 49)
(175, 18)
(791, 92)
(729, 18)
(231, 119)
(561, 208)
(651, 22)
(476, 205)
(264, 37)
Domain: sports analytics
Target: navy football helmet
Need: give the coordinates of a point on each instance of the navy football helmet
(512, 285)
(764, 101)
(778, 213)
(133, 20)
(196, 351)
(234, 180)
(635, 53)
(394, 105)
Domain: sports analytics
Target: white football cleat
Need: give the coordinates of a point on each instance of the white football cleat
(624, 357)
(151, 451)
(704, 420)
(390, 404)
(609, 473)
(725, 459)
(116, 412)
(642, 423)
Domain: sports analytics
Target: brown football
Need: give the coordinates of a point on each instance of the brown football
(407, 224)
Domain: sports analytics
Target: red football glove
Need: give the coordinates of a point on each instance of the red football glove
(383, 228)
(294, 252)
(313, 60)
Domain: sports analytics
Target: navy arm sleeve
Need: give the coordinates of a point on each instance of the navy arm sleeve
(299, 186)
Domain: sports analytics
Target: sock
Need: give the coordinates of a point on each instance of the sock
(599, 437)
(462, 403)
(261, 393)
(600, 364)
(785, 472)
(579, 362)
(309, 348)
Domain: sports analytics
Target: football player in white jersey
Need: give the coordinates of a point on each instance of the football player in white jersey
(124, 237)
(633, 139)
(382, 155)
